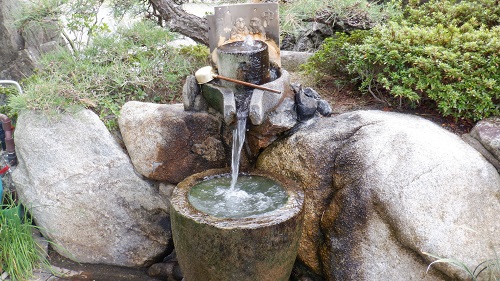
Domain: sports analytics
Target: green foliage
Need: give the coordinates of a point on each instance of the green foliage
(133, 64)
(19, 253)
(453, 64)
(5, 95)
(39, 11)
(78, 20)
(292, 14)
(196, 53)
(83, 21)
(337, 12)
(453, 12)
(333, 55)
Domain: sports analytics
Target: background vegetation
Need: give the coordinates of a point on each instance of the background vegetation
(446, 52)
(131, 64)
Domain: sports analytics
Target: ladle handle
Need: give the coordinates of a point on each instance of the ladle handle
(246, 84)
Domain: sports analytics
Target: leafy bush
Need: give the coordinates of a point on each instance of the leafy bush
(133, 64)
(446, 56)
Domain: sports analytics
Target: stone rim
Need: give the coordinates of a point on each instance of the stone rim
(180, 203)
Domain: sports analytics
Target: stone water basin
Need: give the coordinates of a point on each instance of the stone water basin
(258, 245)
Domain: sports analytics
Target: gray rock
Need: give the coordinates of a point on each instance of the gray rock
(21, 49)
(324, 108)
(200, 104)
(167, 143)
(308, 102)
(83, 193)
(308, 40)
(487, 132)
(291, 60)
(278, 123)
(306, 106)
(10, 40)
(165, 190)
(169, 271)
(190, 91)
(383, 188)
(476, 144)
(310, 92)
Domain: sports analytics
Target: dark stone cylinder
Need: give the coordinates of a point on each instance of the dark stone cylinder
(244, 61)
(260, 247)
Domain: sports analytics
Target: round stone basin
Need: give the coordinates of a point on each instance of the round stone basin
(252, 195)
(260, 243)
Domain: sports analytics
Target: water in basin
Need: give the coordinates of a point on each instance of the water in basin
(252, 195)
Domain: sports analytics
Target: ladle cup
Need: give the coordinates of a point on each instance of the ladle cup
(206, 74)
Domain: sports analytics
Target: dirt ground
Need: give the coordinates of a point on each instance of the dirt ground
(345, 98)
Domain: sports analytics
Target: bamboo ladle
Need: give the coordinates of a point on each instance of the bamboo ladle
(206, 74)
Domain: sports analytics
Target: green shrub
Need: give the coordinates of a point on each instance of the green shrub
(133, 64)
(455, 65)
(475, 12)
(333, 56)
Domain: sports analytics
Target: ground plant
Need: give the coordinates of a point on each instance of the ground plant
(19, 252)
(447, 52)
(5, 93)
(488, 270)
(134, 63)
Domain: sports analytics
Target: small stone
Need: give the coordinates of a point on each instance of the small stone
(291, 61)
(487, 132)
(324, 108)
(169, 271)
(306, 106)
(190, 90)
(310, 92)
(162, 270)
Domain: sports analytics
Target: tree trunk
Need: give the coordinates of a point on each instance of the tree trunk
(182, 22)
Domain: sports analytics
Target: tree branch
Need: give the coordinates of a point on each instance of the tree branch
(181, 21)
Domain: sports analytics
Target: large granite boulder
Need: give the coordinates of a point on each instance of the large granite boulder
(83, 192)
(167, 143)
(382, 189)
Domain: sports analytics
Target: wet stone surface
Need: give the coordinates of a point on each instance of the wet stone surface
(97, 272)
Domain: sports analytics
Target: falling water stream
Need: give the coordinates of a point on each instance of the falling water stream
(239, 133)
(238, 196)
